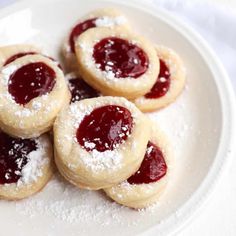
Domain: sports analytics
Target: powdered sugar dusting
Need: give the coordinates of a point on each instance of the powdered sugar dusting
(106, 21)
(36, 160)
(98, 161)
(71, 205)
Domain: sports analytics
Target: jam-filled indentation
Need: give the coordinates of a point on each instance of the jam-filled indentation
(152, 168)
(13, 157)
(162, 84)
(81, 90)
(120, 57)
(105, 128)
(31, 81)
(79, 29)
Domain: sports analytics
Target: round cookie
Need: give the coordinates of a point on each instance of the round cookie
(26, 165)
(169, 84)
(79, 88)
(106, 17)
(117, 62)
(100, 142)
(32, 92)
(10, 53)
(144, 187)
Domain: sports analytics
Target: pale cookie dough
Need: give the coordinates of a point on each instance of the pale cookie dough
(106, 81)
(94, 169)
(8, 52)
(143, 195)
(177, 82)
(34, 175)
(106, 17)
(38, 115)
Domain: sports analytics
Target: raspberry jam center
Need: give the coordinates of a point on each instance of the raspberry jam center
(13, 157)
(30, 81)
(18, 55)
(78, 30)
(120, 57)
(81, 90)
(105, 128)
(152, 168)
(162, 85)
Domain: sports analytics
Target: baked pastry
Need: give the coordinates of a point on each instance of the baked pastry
(79, 88)
(144, 187)
(10, 53)
(25, 165)
(32, 92)
(107, 17)
(117, 62)
(100, 142)
(169, 84)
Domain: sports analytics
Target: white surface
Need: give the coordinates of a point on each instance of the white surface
(196, 105)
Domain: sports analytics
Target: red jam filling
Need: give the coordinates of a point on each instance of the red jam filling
(16, 56)
(162, 85)
(13, 157)
(120, 57)
(81, 90)
(105, 128)
(78, 30)
(152, 168)
(30, 81)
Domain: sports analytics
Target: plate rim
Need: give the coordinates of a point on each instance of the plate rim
(226, 148)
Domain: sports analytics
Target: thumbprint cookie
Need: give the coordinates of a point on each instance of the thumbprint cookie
(117, 62)
(107, 17)
(32, 92)
(100, 142)
(25, 165)
(169, 82)
(145, 186)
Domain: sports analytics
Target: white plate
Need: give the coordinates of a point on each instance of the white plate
(199, 125)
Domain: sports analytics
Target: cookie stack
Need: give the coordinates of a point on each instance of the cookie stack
(102, 140)
(33, 91)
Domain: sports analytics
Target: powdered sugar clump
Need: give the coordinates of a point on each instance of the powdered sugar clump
(106, 21)
(7, 72)
(36, 160)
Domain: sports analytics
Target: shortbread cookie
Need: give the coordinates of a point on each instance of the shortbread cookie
(144, 187)
(79, 88)
(169, 84)
(100, 142)
(117, 62)
(107, 17)
(10, 53)
(25, 165)
(32, 92)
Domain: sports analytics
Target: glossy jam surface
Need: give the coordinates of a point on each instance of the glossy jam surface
(120, 57)
(81, 90)
(13, 157)
(152, 168)
(162, 85)
(105, 128)
(18, 55)
(30, 81)
(79, 29)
